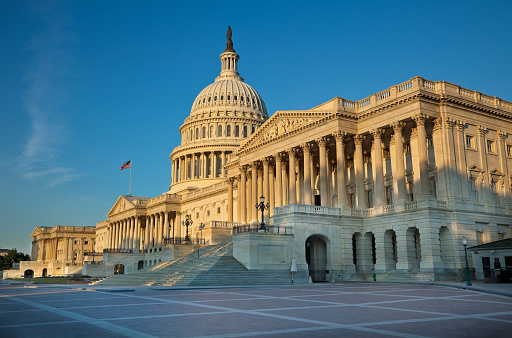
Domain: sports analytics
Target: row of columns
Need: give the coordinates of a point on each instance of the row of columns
(184, 167)
(289, 188)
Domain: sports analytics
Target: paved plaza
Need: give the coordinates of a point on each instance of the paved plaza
(318, 310)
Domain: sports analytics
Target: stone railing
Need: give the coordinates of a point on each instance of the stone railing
(223, 224)
(199, 192)
(68, 228)
(441, 204)
(164, 198)
(412, 205)
(361, 212)
(388, 209)
(307, 209)
(421, 84)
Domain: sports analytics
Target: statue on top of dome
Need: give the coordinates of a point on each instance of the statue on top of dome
(229, 44)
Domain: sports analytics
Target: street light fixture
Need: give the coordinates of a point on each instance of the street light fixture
(262, 206)
(201, 227)
(187, 222)
(465, 244)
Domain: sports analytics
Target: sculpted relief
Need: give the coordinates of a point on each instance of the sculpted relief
(284, 126)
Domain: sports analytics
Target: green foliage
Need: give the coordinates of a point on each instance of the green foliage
(13, 256)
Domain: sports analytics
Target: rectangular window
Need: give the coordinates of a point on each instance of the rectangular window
(369, 199)
(470, 142)
(407, 147)
(473, 190)
(491, 146)
(86, 242)
(385, 152)
(76, 242)
(218, 210)
(480, 239)
(430, 141)
(351, 200)
(501, 236)
(509, 151)
(389, 195)
(410, 191)
(433, 187)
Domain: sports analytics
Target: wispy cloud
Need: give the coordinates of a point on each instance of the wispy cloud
(45, 96)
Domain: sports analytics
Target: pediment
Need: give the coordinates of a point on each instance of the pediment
(475, 168)
(37, 231)
(282, 124)
(496, 172)
(122, 204)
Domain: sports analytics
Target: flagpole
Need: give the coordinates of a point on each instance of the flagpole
(130, 193)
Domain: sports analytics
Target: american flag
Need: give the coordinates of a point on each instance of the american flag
(126, 165)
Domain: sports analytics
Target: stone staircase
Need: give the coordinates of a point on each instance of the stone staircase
(215, 267)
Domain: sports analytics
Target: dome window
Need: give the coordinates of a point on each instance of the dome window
(215, 98)
(222, 97)
(204, 100)
(237, 131)
(229, 97)
(235, 98)
(228, 130)
(242, 98)
(209, 99)
(253, 102)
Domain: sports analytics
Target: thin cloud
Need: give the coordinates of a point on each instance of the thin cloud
(44, 99)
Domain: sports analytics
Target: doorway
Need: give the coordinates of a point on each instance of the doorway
(316, 257)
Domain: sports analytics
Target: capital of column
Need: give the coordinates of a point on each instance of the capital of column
(460, 125)
(340, 136)
(307, 146)
(243, 169)
(420, 119)
(322, 141)
(450, 123)
(438, 123)
(266, 161)
(398, 126)
(230, 180)
(377, 133)
(358, 139)
(279, 157)
(502, 135)
(292, 152)
(482, 130)
(414, 132)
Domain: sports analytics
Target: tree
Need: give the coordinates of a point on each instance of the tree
(13, 256)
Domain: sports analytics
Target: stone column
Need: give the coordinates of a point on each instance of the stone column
(359, 172)
(482, 147)
(502, 153)
(211, 164)
(324, 199)
(307, 174)
(146, 235)
(423, 155)
(292, 193)
(254, 192)
(378, 173)
(284, 190)
(177, 225)
(312, 169)
(398, 166)
(242, 194)
(214, 170)
(299, 183)
(272, 190)
(266, 186)
(166, 224)
(341, 169)
(230, 199)
(224, 162)
(459, 176)
(279, 182)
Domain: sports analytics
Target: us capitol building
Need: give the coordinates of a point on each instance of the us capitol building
(390, 184)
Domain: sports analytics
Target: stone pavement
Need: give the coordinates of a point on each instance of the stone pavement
(330, 309)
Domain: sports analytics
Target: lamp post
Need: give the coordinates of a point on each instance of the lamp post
(465, 244)
(201, 227)
(93, 254)
(262, 206)
(187, 222)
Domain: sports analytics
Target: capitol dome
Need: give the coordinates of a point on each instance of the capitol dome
(223, 114)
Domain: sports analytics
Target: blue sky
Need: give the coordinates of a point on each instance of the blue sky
(87, 85)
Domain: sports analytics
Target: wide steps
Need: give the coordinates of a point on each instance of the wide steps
(215, 267)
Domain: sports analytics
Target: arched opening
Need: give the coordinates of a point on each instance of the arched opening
(413, 248)
(28, 274)
(316, 257)
(447, 248)
(390, 251)
(45, 272)
(228, 130)
(118, 269)
(363, 251)
(140, 265)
